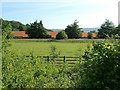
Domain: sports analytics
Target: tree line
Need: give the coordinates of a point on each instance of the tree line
(73, 31)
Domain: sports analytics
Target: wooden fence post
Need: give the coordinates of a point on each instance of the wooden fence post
(48, 58)
(64, 59)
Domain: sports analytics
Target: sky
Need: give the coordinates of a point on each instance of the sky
(57, 14)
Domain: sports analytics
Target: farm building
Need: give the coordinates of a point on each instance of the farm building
(53, 34)
(85, 34)
(19, 34)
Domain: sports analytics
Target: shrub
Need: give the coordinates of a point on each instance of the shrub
(61, 35)
(31, 72)
(100, 66)
(90, 36)
(19, 71)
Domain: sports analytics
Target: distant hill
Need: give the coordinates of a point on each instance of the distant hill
(56, 30)
(83, 29)
(89, 29)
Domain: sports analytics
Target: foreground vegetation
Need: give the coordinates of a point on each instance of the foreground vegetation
(98, 68)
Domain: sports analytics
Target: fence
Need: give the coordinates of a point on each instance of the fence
(70, 60)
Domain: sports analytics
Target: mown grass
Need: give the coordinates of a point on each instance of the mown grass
(43, 48)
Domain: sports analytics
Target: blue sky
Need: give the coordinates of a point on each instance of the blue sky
(58, 14)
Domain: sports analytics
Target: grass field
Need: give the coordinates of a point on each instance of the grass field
(43, 48)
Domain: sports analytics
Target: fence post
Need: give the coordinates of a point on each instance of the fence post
(64, 59)
(48, 58)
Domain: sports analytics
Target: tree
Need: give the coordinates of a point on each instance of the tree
(37, 30)
(16, 26)
(7, 31)
(61, 35)
(117, 30)
(22, 28)
(90, 36)
(73, 30)
(100, 67)
(6, 34)
(106, 28)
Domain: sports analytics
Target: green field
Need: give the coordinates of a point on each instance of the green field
(44, 47)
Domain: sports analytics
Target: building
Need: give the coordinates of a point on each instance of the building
(53, 34)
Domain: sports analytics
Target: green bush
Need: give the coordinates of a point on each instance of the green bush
(20, 37)
(90, 36)
(19, 71)
(31, 72)
(100, 66)
(61, 35)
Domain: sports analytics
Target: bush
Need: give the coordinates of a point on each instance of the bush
(61, 35)
(20, 37)
(19, 71)
(100, 66)
(48, 36)
(90, 36)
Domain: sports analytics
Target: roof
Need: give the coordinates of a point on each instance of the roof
(53, 34)
(19, 33)
(84, 34)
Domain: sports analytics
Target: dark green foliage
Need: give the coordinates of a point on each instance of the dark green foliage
(106, 29)
(20, 37)
(36, 30)
(116, 32)
(61, 35)
(7, 31)
(15, 25)
(6, 34)
(100, 66)
(90, 36)
(93, 31)
(28, 27)
(73, 30)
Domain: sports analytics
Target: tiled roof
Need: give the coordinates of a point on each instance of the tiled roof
(53, 34)
(19, 33)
